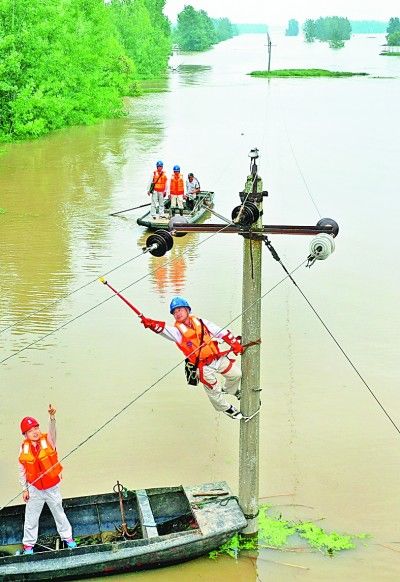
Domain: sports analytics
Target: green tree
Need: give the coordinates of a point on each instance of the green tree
(60, 64)
(393, 26)
(195, 30)
(309, 30)
(332, 29)
(292, 28)
(224, 29)
(145, 34)
(393, 39)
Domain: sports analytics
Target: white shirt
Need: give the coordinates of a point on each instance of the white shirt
(191, 186)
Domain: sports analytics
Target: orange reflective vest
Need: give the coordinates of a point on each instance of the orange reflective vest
(159, 181)
(190, 342)
(41, 465)
(177, 186)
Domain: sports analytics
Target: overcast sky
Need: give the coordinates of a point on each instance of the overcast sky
(279, 11)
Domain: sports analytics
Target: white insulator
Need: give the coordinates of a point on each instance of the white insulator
(321, 247)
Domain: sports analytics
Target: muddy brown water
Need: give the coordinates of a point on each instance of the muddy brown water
(329, 147)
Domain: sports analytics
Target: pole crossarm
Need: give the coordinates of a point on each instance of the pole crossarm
(266, 229)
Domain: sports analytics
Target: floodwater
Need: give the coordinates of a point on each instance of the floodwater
(329, 147)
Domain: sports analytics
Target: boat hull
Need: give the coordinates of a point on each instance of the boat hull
(207, 526)
(193, 216)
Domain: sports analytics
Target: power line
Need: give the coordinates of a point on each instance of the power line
(32, 313)
(277, 258)
(105, 300)
(126, 406)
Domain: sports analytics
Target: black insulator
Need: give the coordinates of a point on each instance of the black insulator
(178, 221)
(329, 222)
(246, 214)
(162, 242)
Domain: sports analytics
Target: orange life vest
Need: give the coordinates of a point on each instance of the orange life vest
(38, 462)
(177, 186)
(190, 342)
(159, 181)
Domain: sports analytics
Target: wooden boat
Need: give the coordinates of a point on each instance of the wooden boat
(203, 199)
(165, 525)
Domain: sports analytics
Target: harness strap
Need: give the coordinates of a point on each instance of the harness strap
(202, 379)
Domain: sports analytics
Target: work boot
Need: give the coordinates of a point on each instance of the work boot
(234, 413)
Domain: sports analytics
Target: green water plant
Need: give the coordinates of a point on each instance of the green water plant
(275, 533)
(304, 73)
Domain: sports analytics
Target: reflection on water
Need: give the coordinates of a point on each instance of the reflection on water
(322, 437)
(56, 228)
(168, 273)
(194, 74)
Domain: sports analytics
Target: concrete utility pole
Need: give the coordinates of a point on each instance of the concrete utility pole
(247, 222)
(269, 51)
(251, 331)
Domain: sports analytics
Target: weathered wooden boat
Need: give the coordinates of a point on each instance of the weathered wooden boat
(203, 199)
(160, 526)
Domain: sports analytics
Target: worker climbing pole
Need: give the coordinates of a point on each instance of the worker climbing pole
(246, 220)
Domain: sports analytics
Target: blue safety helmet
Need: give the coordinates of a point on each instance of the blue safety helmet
(159, 164)
(179, 302)
(177, 168)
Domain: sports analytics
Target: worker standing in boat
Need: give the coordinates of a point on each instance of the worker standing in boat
(39, 472)
(192, 189)
(177, 191)
(158, 191)
(196, 338)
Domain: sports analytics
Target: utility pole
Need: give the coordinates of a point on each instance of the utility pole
(269, 51)
(251, 331)
(247, 222)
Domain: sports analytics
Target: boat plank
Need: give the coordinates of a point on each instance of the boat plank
(148, 523)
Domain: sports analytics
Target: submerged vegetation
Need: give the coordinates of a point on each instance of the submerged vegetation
(275, 533)
(304, 73)
(196, 31)
(70, 62)
(332, 29)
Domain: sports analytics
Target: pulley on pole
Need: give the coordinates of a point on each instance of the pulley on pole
(247, 222)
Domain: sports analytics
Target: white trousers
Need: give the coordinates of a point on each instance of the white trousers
(177, 201)
(33, 509)
(157, 201)
(215, 390)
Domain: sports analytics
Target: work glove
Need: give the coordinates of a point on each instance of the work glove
(234, 342)
(156, 326)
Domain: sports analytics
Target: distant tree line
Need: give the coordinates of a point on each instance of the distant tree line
(196, 31)
(292, 28)
(68, 62)
(368, 26)
(251, 28)
(332, 29)
(393, 32)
